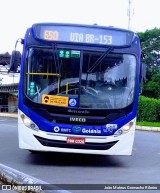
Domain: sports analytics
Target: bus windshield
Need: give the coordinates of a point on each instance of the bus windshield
(87, 79)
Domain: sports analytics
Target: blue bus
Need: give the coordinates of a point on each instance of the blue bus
(78, 89)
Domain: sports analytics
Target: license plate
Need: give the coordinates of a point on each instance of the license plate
(72, 140)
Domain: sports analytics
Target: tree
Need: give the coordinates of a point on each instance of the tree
(1, 80)
(150, 45)
(152, 88)
(5, 58)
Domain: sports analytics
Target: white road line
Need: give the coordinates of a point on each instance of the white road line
(3, 119)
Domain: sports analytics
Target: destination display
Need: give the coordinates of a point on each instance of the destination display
(83, 34)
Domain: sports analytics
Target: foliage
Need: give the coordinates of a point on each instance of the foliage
(152, 88)
(148, 109)
(150, 124)
(5, 58)
(1, 80)
(150, 45)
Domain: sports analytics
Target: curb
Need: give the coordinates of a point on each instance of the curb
(12, 115)
(144, 128)
(21, 182)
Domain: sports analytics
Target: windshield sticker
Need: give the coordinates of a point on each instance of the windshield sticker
(73, 102)
(55, 100)
(32, 89)
(75, 54)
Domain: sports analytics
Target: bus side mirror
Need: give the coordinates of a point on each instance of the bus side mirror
(142, 77)
(143, 72)
(14, 61)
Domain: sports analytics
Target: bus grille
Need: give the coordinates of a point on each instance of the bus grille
(63, 144)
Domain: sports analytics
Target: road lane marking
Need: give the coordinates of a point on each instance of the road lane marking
(9, 125)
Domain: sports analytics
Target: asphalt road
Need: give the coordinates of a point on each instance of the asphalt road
(143, 167)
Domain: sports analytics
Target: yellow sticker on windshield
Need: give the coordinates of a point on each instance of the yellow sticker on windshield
(55, 100)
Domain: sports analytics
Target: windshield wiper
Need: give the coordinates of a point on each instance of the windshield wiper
(99, 60)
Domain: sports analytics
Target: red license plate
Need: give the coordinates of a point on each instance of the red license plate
(72, 140)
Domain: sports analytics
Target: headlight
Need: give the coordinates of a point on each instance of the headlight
(124, 129)
(28, 122)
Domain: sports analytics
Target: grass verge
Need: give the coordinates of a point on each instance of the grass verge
(150, 124)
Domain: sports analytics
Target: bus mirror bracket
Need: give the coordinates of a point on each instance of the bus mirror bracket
(15, 58)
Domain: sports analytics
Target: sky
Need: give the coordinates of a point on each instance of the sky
(17, 15)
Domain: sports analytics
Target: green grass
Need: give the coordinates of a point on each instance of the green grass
(150, 124)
